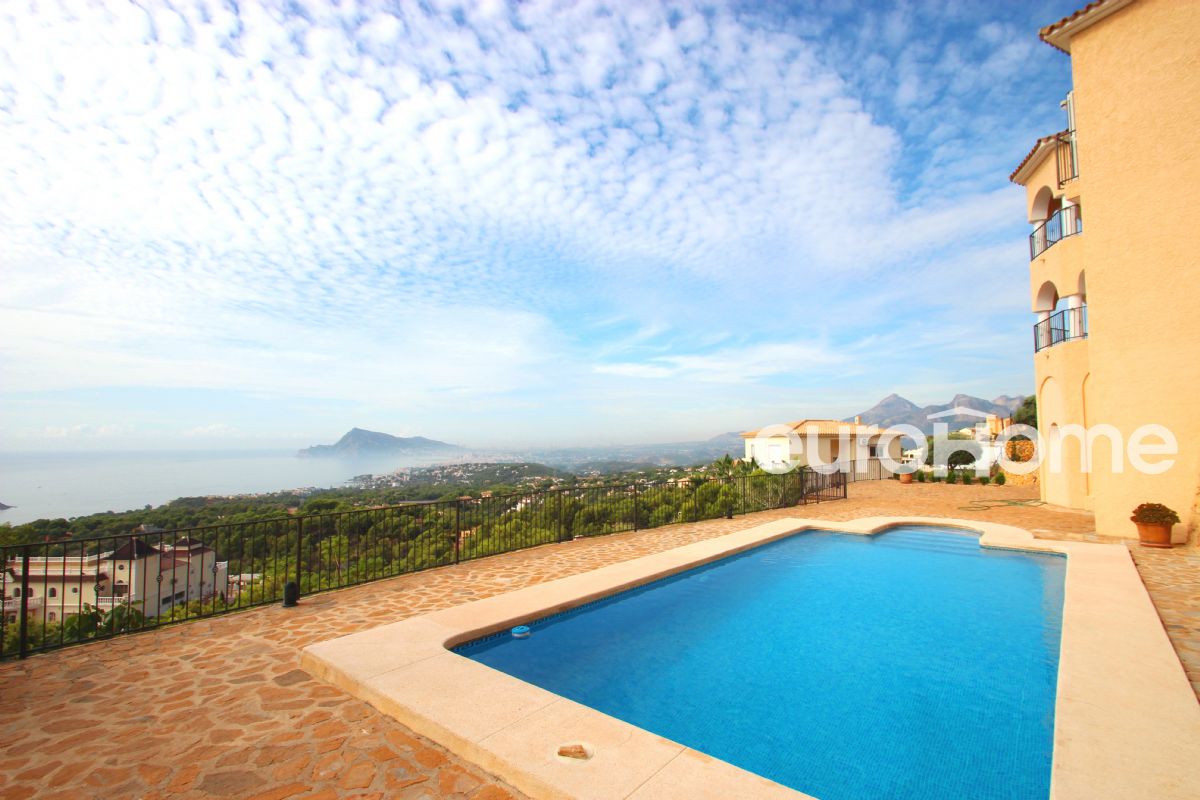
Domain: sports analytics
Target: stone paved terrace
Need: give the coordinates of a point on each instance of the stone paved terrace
(220, 708)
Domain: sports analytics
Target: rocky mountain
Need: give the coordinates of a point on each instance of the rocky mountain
(1012, 403)
(359, 443)
(730, 442)
(896, 410)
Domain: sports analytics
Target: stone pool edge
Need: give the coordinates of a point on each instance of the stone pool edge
(1127, 723)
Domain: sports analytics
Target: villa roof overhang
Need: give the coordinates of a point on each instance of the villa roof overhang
(50, 577)
(821, 427)
(1058, 34)
(1041, 150)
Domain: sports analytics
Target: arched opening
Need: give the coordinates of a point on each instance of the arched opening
(1082, 285)
(1047, 297)
(52, 592)
(1040, 209)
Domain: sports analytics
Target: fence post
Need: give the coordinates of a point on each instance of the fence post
(24, 630)
(635, 504)
(291, 589)
(558, 526)
(457, 528)
(299, 549)
(742, 492)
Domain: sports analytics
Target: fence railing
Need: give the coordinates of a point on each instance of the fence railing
(59, 593)
(1061, 224)
(1067, 155)
(1062, 326)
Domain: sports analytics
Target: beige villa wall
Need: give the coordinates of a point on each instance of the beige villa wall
(1061, 373)
(1137, 112)
(759, 448)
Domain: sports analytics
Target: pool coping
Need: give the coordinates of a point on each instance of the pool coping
(1127, 722)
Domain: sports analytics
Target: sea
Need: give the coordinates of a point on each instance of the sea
(53, 485)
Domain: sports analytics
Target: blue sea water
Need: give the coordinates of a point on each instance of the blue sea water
(911, 664)
(52, 485)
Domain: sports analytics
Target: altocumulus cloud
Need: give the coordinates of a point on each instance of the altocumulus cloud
(422, 204)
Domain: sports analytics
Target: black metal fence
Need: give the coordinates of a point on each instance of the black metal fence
(1062, 326)
(1061, 224)
(70, 591)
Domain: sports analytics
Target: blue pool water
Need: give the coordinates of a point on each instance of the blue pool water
(911, 664)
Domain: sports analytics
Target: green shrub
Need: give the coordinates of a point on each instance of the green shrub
(1154, 514)
(920, 476)
(1001, 479)
(984, 481)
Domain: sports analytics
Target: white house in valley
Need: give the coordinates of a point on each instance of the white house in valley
(812, 442)
(151, 579)
(55, 587)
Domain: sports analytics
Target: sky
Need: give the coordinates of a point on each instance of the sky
(250, 224)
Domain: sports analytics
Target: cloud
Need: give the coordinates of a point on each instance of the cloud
(86, 431)
(731, 364)
(430, 207)
(217, 430)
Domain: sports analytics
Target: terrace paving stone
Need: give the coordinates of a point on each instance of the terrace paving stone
(220, 707)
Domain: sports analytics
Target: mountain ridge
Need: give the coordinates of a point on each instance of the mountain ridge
(358, 442)
(897, 410)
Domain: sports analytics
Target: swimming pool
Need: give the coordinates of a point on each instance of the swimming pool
(907, 664)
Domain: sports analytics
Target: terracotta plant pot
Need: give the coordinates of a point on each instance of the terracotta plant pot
(1153, 534)
(906, 477)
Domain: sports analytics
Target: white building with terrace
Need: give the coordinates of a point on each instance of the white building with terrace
(150, 579)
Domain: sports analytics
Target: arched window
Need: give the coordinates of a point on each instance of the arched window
(51, 617)
(17, 591)
(52, 592)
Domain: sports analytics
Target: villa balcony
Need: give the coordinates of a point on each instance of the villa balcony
(1067, 325)
(31, 603)
(1066, 154)
(1061, 225)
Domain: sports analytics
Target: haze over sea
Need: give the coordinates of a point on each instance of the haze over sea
(52, 485)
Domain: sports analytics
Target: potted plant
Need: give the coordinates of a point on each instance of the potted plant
(1154, 521)
(906, 477)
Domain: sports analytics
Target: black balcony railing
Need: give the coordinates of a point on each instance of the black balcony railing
(1063, 223)
(1063, 326)
(1067, 155)
(65, 592)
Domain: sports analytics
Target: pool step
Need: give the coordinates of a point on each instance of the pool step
(931, 541)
